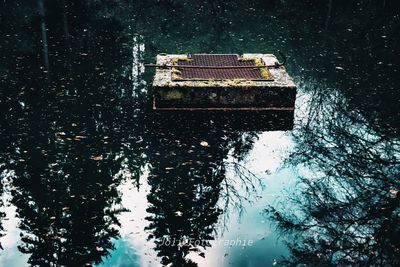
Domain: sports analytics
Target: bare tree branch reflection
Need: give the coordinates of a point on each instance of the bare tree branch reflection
(238, 189)
(347, 212)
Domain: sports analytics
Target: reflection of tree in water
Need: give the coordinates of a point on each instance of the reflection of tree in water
(66, 137)
(67, 201)
(349, 213)
(65, 183)
(188, 179)
(4, 177)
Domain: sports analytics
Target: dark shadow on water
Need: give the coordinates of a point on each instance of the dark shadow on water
(233, 120)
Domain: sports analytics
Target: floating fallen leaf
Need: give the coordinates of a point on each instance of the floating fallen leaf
(178, 213)
(394, 193)
(204, 143)
(96, 157)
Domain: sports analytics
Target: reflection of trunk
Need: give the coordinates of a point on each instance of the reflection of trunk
(65, 20)
(66, 32)
(328, 18)
(45, 49)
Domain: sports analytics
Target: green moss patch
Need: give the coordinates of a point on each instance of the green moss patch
(259, 63)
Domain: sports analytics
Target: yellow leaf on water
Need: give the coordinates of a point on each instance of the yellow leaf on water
(96, 157)
(204, 143)
(393, 191)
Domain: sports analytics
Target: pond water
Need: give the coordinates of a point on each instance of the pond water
(91, 176)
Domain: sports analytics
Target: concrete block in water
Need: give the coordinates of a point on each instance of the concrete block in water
(274, 90)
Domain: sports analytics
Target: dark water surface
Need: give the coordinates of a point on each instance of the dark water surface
(91, 176)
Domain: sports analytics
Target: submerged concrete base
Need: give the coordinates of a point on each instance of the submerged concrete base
(238, 94)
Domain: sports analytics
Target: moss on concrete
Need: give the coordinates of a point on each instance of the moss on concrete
(172, 94)
(259, 63)
(175, 72)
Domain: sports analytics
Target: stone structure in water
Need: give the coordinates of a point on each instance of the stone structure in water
(248, 82)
